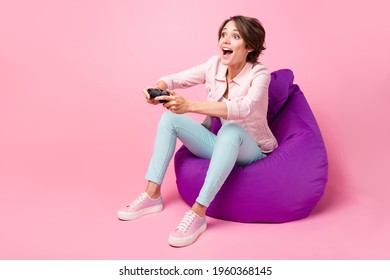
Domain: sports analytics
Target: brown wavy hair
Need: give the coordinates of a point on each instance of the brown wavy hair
(253, 33)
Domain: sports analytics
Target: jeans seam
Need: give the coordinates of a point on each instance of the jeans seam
(166, 162)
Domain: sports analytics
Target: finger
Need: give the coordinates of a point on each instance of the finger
(153, 102)
(145, 91)
(164, 97)
(147, 95)
(171, 92)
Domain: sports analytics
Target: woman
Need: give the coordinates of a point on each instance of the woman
(237, 87)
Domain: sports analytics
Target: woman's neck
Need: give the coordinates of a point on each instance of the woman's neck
(234, 70)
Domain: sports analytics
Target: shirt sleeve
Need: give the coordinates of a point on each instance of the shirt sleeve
(255, 99)
(187, 78)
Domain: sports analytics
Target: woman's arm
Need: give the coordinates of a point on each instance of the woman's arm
(184, 79)
(213, 109)
(255, 99)
(187, 78)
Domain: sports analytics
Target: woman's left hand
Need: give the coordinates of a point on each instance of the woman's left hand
(176, 103)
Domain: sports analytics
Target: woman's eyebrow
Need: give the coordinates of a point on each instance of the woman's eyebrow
(232, 29)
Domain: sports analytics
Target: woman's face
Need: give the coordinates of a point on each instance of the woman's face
(232, 46)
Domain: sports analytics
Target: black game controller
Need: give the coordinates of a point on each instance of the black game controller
(153, 92)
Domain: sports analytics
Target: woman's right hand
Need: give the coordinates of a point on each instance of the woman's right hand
(147, 96)
(160, 85)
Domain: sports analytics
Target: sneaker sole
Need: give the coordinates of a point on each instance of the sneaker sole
(185, 241)
(128, 216)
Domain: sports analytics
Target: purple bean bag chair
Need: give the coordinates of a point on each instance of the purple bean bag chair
(287, 184)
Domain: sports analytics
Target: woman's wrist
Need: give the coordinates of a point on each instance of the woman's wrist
(190, 106)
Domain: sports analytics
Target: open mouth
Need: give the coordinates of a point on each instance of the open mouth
(227, 51)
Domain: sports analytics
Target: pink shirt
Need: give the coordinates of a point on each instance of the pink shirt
(247, 103)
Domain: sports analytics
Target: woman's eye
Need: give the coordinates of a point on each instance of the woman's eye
(235, 36)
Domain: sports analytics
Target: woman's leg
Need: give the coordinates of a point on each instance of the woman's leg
(198, 139)
(234, 146)
(171, 126)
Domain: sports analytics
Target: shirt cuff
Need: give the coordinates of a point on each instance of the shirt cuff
(233, 112)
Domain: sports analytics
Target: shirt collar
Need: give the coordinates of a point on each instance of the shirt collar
(239, 79)
(221, 73)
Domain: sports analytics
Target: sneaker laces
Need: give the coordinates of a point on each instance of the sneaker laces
(186, 222)
(139, 200)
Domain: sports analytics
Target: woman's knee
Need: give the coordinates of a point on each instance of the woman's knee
(166, 116)
(231, 131)
(168, 119)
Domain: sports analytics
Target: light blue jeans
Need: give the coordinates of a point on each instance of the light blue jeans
(231, 146)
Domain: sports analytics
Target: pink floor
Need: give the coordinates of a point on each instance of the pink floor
(76, 134)
(77, 221)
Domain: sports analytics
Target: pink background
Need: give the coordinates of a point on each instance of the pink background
(76, 134)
